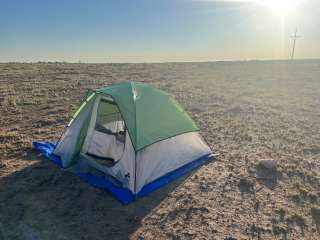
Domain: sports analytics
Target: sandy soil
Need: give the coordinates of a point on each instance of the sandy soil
(247, 111)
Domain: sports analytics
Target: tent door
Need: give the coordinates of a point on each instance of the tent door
(108, 136)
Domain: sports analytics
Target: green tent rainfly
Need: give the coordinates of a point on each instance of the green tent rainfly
(150, 114)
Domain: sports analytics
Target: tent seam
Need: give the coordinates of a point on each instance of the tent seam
(136, 143)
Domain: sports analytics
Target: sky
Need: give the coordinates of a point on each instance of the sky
(156, 30)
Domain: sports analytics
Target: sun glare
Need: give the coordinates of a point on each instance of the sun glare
(280, 7)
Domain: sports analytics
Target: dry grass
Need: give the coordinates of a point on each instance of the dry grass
(247, 111)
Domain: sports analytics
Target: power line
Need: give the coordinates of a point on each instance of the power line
(295, 37)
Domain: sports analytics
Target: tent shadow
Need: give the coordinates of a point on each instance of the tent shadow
(43, 202)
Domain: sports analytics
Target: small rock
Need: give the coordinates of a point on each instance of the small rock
(245, 185)
(230, 238)
(315, 213)
(268, 163)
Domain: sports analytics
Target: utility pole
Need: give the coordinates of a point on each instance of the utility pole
(294, 37)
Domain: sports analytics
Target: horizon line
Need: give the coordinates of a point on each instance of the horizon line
(159, 62)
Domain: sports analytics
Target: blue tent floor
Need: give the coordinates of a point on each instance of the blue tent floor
(124, 195)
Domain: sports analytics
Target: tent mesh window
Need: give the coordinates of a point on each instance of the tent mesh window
(109, 120)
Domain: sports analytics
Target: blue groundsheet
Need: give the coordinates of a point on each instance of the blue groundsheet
(124, 195)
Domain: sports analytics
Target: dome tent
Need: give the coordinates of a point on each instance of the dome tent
(129, 138)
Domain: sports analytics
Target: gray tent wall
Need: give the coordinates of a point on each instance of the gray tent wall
(165, 156)
(69, 139)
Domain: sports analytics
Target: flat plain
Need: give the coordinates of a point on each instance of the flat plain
(247, 111)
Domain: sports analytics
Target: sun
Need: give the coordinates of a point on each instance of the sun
(281, 8)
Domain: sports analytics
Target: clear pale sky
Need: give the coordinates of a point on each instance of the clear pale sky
(155, 30)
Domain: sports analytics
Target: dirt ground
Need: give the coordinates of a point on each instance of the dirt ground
(247, 111)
